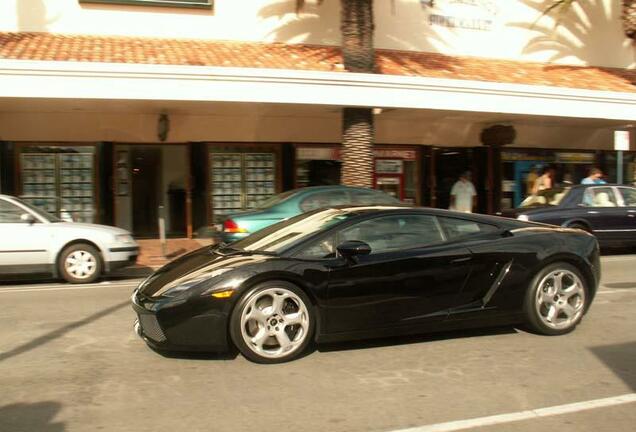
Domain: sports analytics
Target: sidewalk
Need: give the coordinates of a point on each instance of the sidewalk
(151, 258)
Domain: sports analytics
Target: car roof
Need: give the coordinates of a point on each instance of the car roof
(327, 187)
(388, 209)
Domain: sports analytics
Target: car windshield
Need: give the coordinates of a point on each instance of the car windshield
(276, 199)
(548, 197)
(284, 234)
(44, 215)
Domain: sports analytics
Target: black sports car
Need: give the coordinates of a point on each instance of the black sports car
(608, 211)
(361, 272)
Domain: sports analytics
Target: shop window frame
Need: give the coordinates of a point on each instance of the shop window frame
(192, 4)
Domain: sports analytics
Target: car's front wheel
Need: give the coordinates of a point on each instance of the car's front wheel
(272, 322)
(80, 263)
(556, 299)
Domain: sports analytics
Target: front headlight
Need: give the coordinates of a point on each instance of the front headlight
(186, 282)
(523, 217)
(124, 238)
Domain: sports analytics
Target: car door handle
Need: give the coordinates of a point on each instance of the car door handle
(460, 260)
(593, 212)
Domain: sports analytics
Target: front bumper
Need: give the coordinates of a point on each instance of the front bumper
(179, 326)
(121, 256)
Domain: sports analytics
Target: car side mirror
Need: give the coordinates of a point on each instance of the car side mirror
(28, 218)
(352, 248)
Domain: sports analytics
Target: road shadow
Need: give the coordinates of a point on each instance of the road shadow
(231, 354)
(56, 334)
(621, 359)
(30, 417)
(414, 339)
(117, 275)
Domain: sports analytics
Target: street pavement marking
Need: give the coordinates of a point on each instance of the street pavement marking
(66, 288)
(523, 415)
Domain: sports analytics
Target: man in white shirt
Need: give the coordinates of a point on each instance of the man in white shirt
(463, 195)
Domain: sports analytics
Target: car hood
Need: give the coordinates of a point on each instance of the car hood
(200, 266)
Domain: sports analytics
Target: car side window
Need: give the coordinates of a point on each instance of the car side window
(395, 232)
(599, 197)
(629, 196)
(10, 213)
(323, 199)
(457, 228)
(323, 248)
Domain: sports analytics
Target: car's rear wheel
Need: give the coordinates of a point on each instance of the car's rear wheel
(556, 299)
(272, 323)
(80, 263)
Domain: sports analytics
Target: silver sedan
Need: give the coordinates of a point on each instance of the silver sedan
(35, 242)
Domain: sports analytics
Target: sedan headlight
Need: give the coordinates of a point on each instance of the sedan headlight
(523, 217)
(124, 238)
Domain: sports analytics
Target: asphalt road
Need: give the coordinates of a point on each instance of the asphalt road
(69, 361)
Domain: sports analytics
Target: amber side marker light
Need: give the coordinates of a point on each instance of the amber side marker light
(223, 294)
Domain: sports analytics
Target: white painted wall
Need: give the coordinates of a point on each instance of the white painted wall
(458, 130)
(589, 35)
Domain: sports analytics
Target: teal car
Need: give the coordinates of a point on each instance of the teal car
(296, 201)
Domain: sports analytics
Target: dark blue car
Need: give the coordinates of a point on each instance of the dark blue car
(606, 210)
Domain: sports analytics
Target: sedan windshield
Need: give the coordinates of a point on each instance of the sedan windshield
(548, 197)
(41, 213)
(280, 236)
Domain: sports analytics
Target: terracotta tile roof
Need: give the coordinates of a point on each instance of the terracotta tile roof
(110, 49)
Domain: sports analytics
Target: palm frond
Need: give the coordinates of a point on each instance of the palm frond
(558, 6)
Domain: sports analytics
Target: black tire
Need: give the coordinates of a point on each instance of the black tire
(533, 308)
(261, 292)
(86, 250)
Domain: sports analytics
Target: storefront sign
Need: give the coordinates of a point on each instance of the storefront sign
(478, 15)
(397, 154)
(332, 153)
(571, 157)
(317, 153)
(621, 140)
(388, 166)
(521, 156)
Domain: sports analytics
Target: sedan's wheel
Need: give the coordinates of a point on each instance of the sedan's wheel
(556, 300)
(80, 263)
(272, 323)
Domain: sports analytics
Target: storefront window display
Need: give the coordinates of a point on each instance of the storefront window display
(610, 167)
(521, 168)
(240, 180)
(59, 180)
(396, 170)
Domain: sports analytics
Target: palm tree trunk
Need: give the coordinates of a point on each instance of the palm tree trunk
(357, 147)
(629, 18)
(357, 123)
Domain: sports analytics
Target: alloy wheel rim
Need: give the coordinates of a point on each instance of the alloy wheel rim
(560, 299)
(80, 264)
(274, 322)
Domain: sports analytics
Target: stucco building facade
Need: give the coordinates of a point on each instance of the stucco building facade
(110, 109)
